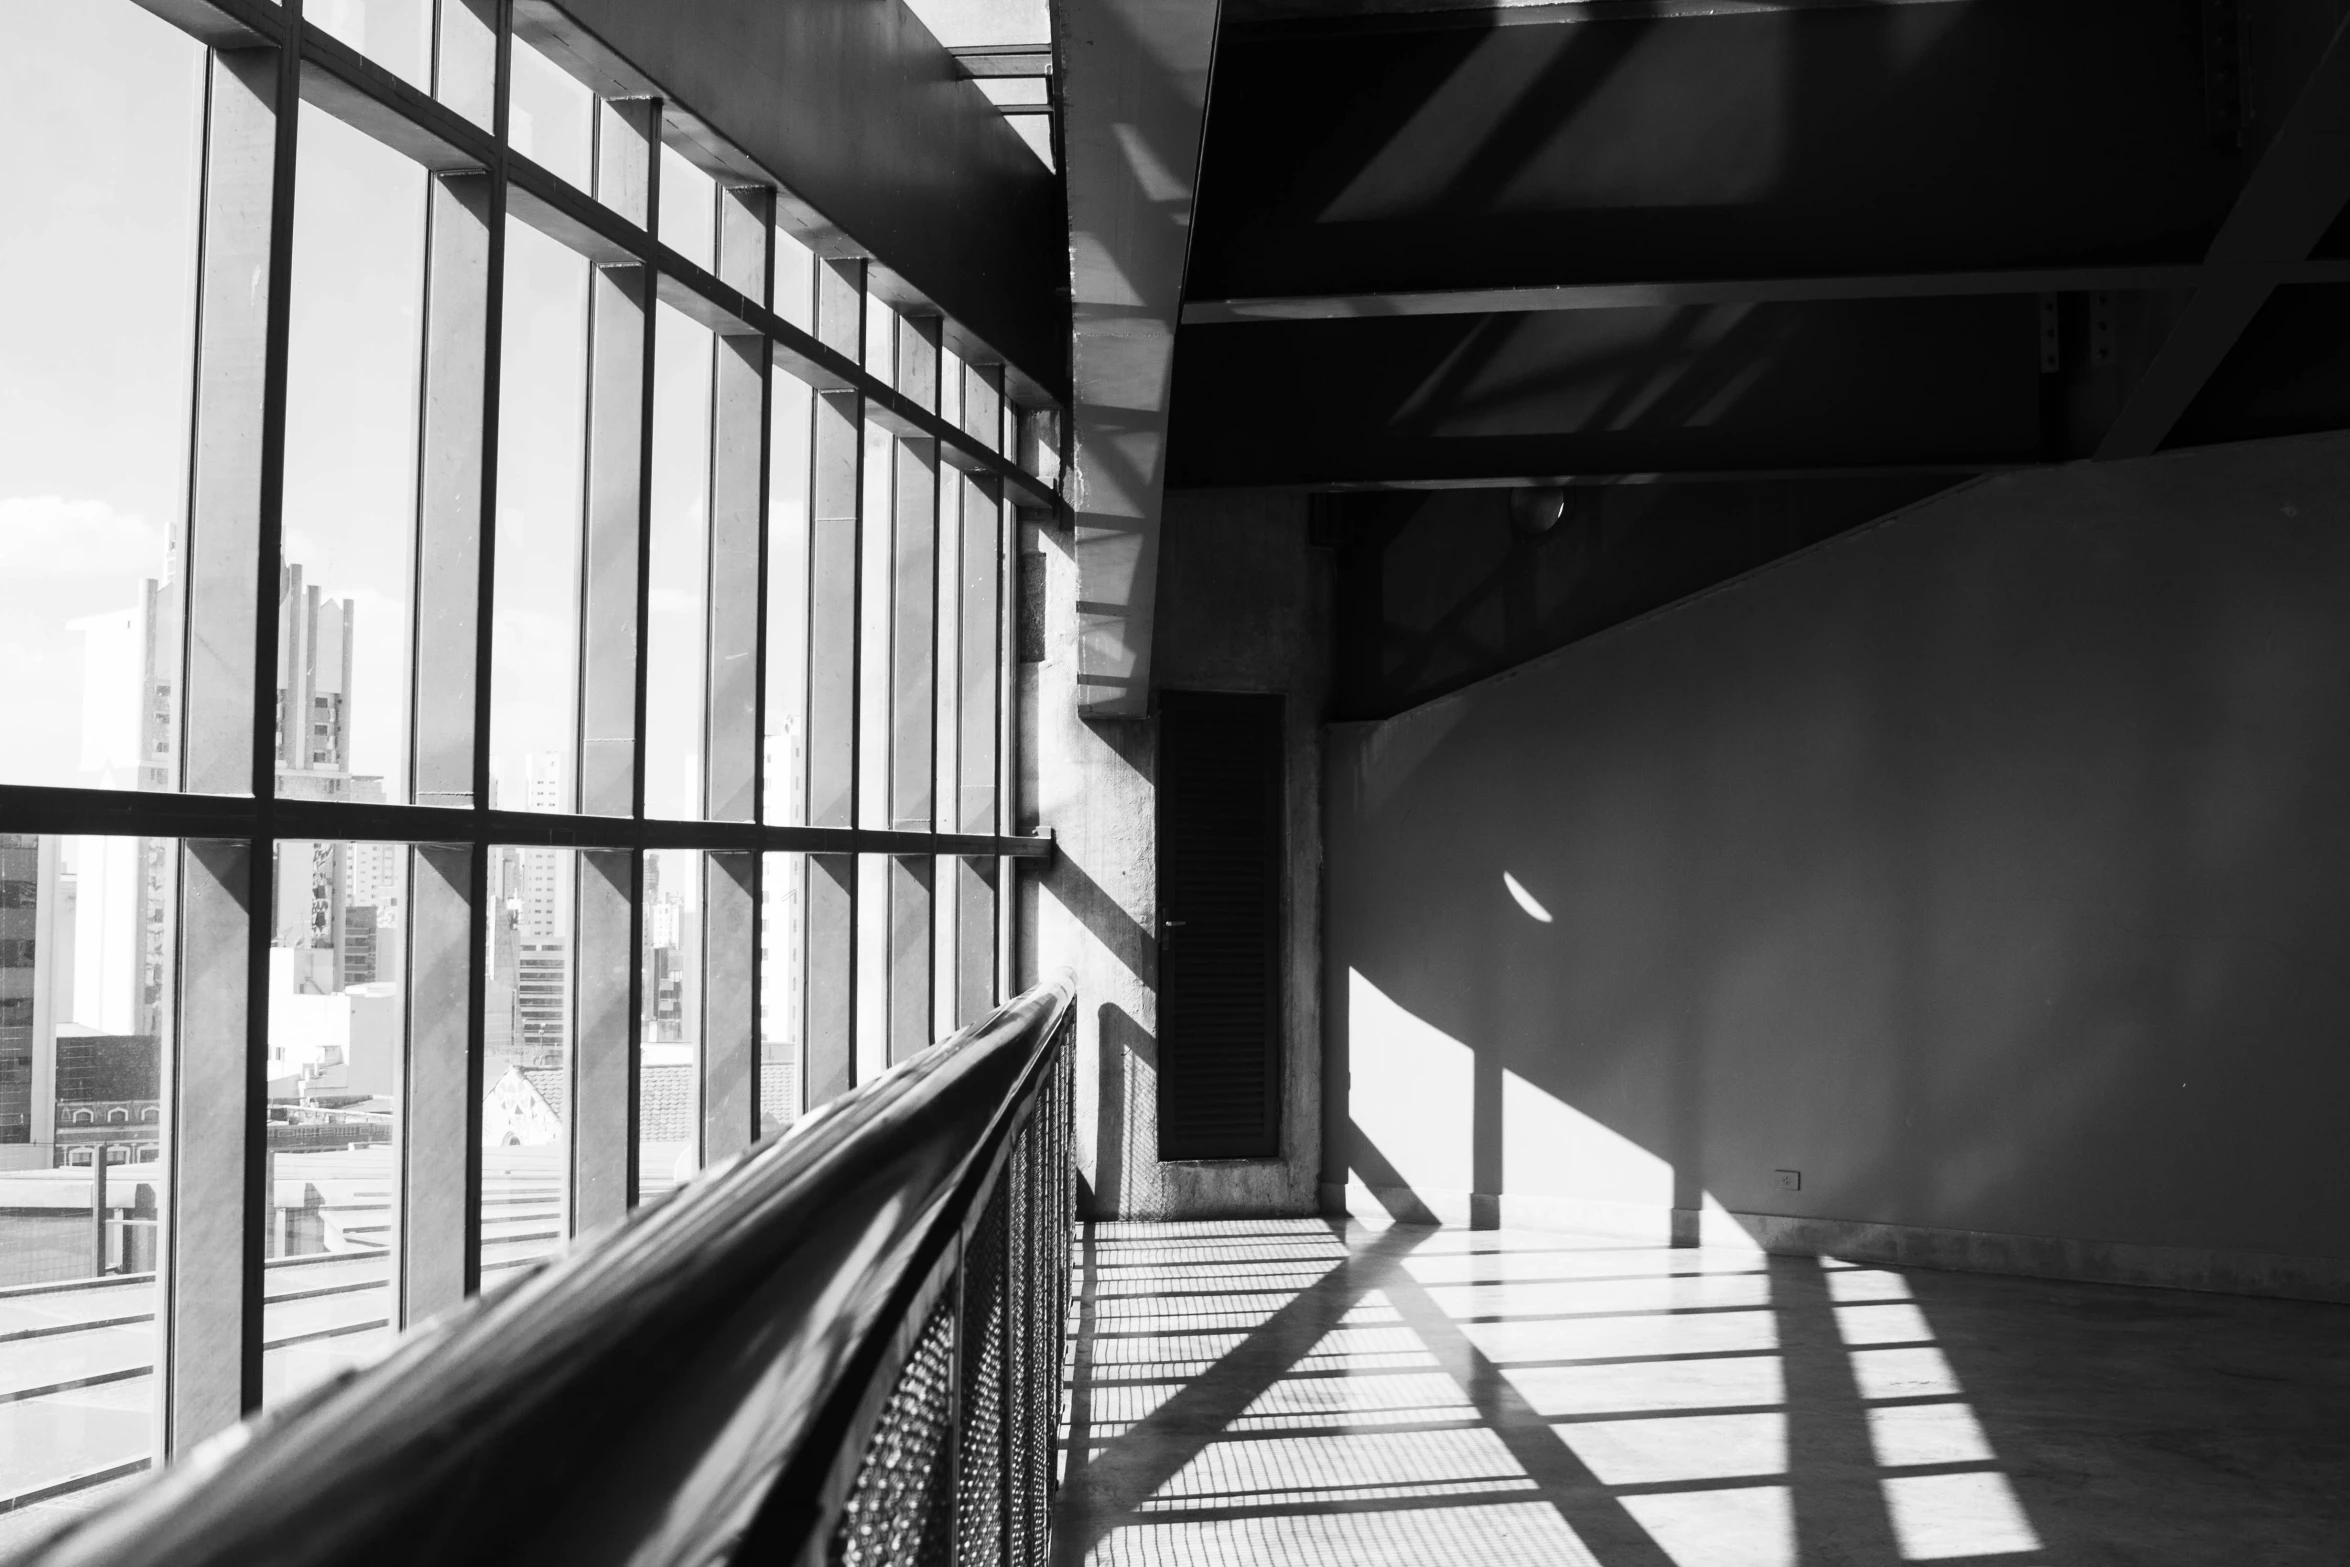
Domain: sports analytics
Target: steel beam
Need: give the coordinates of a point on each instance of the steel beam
(2295, 193)
(1135, 109)
(852, 110)
(1758, 290)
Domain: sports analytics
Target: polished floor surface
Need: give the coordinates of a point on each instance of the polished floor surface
(1285, 1391)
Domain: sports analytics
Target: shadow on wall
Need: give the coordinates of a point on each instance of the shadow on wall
(1978, 872)
(1126, 1105)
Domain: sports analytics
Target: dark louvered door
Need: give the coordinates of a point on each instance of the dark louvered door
(1220, 909)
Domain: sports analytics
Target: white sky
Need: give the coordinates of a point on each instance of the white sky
(94, 389)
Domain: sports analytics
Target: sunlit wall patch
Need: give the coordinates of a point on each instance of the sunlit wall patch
(1526, 900)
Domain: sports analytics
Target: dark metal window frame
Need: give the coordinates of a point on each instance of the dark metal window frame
(226, 814)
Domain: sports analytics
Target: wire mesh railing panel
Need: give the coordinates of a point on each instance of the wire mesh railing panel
(899, 1514)
(980, 1479)
(1020, 1414)
(960, 1464)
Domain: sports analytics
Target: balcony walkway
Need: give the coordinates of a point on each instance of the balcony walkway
(1276, 1391)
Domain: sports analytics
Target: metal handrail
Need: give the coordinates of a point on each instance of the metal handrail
(740, 1371)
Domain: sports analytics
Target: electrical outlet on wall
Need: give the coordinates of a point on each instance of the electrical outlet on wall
(1789, 1180)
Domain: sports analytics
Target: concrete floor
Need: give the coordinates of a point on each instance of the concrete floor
(1279, 1391)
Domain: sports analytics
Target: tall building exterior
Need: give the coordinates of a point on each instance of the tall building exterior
(669, 954)
(322, 886)
(27, 877)
(543, 916)
(314, 644)
(538, 907)
(129, 740)
(542, 1001)
(74, 937)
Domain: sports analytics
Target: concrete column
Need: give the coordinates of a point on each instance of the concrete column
(1247, 609)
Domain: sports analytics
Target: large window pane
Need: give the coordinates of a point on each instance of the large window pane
(795, 279)
(689, 209)
(86, 939)
(785, 759)
(345, 600)
(881, 342)
(550, 115)
(542, 431)
(782, 996)
(526, 1059)
(337, 1005)
(670, 1023)
(677, 625)
(877, 566)
(99, 266)
(873, 966)
(396, 34)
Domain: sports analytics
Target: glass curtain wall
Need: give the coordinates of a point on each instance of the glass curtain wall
(508, 631)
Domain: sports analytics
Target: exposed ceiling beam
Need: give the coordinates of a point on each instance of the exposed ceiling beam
(1004, 61)
(2285, 208)
(1134, 109)
(1954, 470)
(2206, 275)
(1503, 13)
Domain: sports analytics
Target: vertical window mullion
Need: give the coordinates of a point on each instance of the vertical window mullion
(211, 1245)
(912, 721)
(607, 929)
(1008, 761)
(979, 673)
(741, 387)
(439, 1172)
(739, 393)
(836, 481)
(605, 1003)
(730, 1054)
(223, 557)
(212, 1300)
(460, 24)
(617, 502)
(439, 1095)
(459, 288)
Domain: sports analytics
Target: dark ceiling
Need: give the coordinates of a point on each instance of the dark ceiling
(1782, 238)
(1760, 242)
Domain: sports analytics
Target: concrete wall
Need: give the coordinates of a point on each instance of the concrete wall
(1987, 867)
(1244, 605)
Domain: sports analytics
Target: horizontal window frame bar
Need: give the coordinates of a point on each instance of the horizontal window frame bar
(123, 813)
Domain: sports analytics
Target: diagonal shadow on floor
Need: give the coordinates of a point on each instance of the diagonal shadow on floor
(1105, 1486)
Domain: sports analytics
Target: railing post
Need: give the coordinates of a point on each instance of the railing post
(98, 1213)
